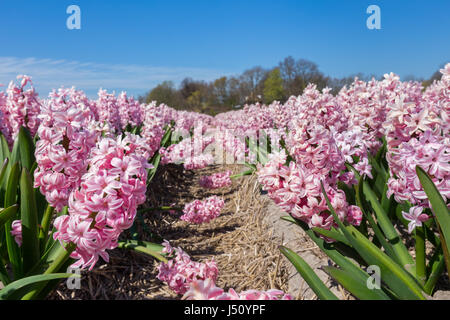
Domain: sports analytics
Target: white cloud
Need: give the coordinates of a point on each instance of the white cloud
(48, 74)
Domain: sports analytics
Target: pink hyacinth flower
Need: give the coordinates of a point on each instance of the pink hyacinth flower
(207, 290)
(203, 290)
(16, 231)
(216, 181)
(354, 215)
(416, 217)
(199, 212)
(180, 271)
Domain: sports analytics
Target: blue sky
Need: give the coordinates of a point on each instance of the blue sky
(133, 45)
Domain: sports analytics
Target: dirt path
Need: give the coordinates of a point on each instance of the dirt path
(294, 238)
(242, 243)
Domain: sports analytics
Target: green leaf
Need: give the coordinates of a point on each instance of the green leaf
(377, 186)
(332, 251)
(379, 169)
(420, 255)
(349, 192)
(58, 261)
(251, 166)
(333, 234)
(26, 148)
(22, 283)
(4, 276)
(400, 281)
(52, 284)
(8, 214)
(45, 226)
(263, 147)
(14, 253)
(355, 172)
(30, 242)
(378, 233)
(429, 234)
(440, 210)
(58, 252)
(167, 136)
(392, 235)
(4, 148)
(12, 184)
(3, 170)
(4, 155)
(15, 153)
(317, 285)
(245, 173)
(358, 288)
(156, 159)
(437, 267)
(44, 259)
(155, 162)
(148, 248)
(41, 202)
(252, 145)
(388, 204)
(11, 199)
(289, 219)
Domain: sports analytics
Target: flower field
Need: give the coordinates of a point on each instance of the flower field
(102, 184)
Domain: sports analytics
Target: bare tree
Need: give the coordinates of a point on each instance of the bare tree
(252, 84)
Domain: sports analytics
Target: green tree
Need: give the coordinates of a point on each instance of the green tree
(194, 101)
(273, 87)
(220, 91)
(165, 93)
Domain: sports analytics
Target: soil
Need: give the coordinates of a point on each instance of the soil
(244, 246)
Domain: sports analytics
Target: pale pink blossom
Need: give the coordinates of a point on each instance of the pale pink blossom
(415, 217)
(354, 215)
(180, 271)
(203, 211)
(105, 202)
(216, 181)
(16, 231)
(207, 290)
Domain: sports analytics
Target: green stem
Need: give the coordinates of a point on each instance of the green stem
(420, 255)
(444, 249)
(251, 166)
(61, 259)
(140, 247)
(245, 173)
(436, 272)
(53, 268)
(45, 225)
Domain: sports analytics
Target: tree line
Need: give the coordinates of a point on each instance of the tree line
(289, 77)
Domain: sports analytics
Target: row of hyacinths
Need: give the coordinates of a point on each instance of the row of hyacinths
(88, 159)
(90, 162)
(322, 132)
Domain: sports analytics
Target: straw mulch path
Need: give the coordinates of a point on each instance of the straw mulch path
(240, 242)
